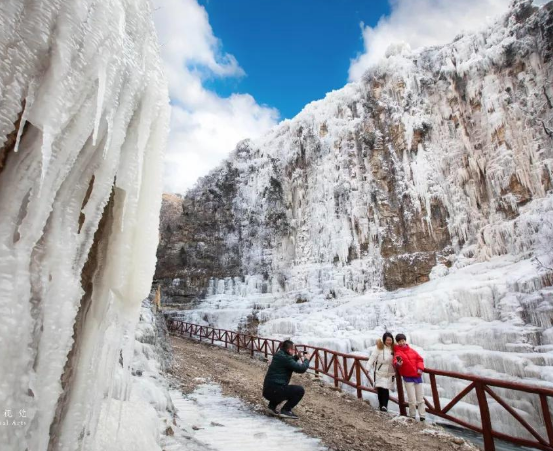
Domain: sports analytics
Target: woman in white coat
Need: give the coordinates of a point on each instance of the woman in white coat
(381, 368)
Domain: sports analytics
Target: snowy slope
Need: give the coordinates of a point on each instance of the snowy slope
(83, 123)
(417, 200)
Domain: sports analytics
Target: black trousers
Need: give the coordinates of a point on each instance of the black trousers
(383, 396)
(292, 394)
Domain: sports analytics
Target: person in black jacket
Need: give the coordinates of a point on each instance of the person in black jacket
(275, 387)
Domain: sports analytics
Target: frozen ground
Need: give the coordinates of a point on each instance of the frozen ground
(340, 420)
(153, 415)
(139, 415)
(227, 424)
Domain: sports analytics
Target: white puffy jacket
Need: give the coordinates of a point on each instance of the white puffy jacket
(380, 366)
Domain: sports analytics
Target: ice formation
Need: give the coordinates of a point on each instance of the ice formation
(140, 414)
(83, 123)
(417, 200)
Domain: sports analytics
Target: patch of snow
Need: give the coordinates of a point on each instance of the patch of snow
(227, 424)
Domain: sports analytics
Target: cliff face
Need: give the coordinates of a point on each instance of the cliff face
(436, 158)
(194, 231)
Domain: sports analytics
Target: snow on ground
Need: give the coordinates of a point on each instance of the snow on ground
(227, 424)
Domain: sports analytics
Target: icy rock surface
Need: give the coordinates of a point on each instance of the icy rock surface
(83, 124)
(417, 200)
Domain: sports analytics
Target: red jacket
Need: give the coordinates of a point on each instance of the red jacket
(412, 361)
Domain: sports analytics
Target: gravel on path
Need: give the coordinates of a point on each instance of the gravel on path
(340, 420)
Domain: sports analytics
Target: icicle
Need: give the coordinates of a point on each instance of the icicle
(100, 101)
(28, 105)
(46, 150)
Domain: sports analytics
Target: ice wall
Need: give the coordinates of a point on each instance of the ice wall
(83, 123)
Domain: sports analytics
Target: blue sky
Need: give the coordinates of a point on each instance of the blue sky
(292, 51)
(235, 68)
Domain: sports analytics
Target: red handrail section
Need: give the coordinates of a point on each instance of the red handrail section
(350, 369)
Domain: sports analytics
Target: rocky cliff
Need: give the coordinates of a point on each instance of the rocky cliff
(437, 158)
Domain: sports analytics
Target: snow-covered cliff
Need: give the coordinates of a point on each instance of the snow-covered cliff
(416, 200)
(437, 158)
(83, 123)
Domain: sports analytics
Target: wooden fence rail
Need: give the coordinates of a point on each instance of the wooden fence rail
(350, 369)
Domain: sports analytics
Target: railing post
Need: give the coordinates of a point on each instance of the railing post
(489, 444)
(212, 336)
(335, 370)
(251, 351)
(345, 368)
(226, 339)
(317, 363)
(435, 395)
(358, 378)
(547, 418)
(238, 343)
(400, 395)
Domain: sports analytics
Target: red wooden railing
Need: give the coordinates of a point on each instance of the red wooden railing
(349, 369)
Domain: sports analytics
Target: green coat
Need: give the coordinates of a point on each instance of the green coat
(281, 369)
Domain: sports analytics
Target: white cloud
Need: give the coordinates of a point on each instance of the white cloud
(421, 23)
(204, 126)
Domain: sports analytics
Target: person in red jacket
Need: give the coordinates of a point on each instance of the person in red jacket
(410, 366)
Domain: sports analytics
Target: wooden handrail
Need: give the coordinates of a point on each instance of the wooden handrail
(493, 382)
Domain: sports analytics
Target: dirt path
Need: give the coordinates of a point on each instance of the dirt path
(340, 420)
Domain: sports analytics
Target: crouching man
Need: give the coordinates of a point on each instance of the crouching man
(275, 387)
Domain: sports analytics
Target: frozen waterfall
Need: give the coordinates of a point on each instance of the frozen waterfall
(83, 123)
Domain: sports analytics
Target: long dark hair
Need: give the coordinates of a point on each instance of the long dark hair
(388, 335)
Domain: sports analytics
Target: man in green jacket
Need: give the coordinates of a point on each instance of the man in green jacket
(275, 387)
